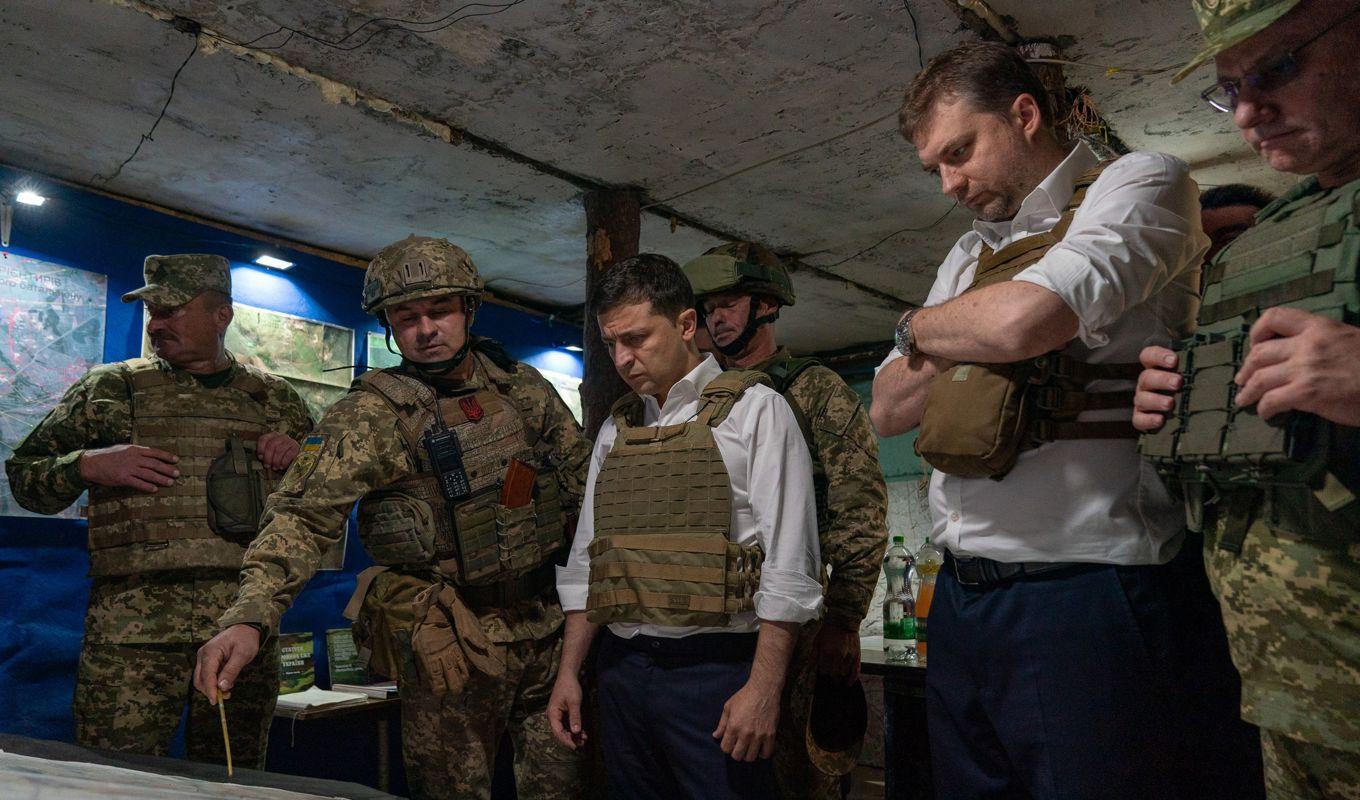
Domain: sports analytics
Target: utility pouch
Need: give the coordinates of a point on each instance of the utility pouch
(479, 552)
(237, 485)
(385, 614)
(397, 528)
(976, 419)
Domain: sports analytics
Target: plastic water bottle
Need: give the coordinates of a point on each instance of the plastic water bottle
(929, 559)
(899, 610)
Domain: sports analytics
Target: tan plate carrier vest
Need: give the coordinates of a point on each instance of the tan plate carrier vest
(132, 531)
(662, 552)
(476, 541)
(979, 417)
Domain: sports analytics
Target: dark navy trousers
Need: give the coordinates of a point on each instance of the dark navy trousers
(1098, 682)
(660, 701)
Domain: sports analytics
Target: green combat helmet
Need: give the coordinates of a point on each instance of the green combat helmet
(418, 267)
(743, 266)
(1228, 23)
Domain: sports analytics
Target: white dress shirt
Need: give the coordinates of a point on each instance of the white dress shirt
(772, 504)
(1129, 269)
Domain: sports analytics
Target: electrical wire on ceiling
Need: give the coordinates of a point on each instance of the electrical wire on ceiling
(889, 237)
(1109, 70)
(384, 23)
(146, 137)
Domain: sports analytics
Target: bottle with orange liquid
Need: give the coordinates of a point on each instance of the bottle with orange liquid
(929, 559)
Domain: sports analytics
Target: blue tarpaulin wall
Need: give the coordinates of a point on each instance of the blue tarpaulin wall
(43, 585)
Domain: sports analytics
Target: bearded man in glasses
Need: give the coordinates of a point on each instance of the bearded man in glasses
(1257, 419)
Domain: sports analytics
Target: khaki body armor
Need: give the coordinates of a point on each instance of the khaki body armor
(662, 552)
(212, 511)
(507, 523)
(979, 417)
(1302, 254)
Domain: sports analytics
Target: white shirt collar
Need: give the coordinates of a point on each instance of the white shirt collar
(1041, 208)
(685, 391)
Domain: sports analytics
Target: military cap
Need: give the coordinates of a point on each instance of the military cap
(417, 267)
(837, 722)
(744, 265)
(172, 281)
(1227, 23)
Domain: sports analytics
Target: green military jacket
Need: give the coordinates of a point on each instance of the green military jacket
(852, 519)
(357, 448)
(153, 606)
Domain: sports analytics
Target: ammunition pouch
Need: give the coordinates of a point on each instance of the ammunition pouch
(495, 540)
(237, 485)
(978, 418)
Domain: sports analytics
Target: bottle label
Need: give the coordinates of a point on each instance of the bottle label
(904, 628)
(921, 629)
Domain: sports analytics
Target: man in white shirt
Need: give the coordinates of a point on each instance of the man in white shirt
(696, 476)
(1063, 621)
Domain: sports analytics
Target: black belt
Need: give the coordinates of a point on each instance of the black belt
(514, 590)
(708, 646)
(978, 572)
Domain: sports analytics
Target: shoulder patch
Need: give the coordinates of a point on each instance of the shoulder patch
(296, 478)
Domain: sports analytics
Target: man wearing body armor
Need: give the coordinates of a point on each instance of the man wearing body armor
(740, 288)
(467, 467)
(1257, 417)
(1066, 596)
(178, 452)
(696, 547)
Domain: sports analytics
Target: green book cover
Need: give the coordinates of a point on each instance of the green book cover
(297, 662)
(344, 658)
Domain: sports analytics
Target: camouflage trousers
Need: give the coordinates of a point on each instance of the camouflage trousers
(1299, 770)
(795, 774)
(449, 743)
(130, 698)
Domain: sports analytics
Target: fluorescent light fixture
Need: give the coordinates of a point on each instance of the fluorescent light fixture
(574, 348)
(30, 198)
(273, 263)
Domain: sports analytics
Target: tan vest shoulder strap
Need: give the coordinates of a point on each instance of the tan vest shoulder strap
(410, 400)
(722, 393)
(627, 411)
(247, 381)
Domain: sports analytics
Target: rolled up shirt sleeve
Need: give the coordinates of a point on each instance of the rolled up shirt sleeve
(573, 578)
(783, 505)
(1135, 233)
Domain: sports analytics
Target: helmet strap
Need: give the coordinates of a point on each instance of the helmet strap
(734, 347)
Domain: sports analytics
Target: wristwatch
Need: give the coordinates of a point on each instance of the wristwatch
(905, 341)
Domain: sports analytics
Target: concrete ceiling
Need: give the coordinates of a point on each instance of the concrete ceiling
(489, 130)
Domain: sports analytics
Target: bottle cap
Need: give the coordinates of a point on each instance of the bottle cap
(898, 539)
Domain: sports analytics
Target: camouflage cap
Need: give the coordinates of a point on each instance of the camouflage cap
(836, 724)
(416, 267)
(747, 265)
(172, 281)
(1227, 23)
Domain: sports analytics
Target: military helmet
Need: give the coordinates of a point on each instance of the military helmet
(416, 267)
(1227, 23)
(740, 265)
(837, 720)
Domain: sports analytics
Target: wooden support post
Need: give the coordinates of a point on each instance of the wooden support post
(613, 232)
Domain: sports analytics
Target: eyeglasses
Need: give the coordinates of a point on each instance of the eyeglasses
(1223, 95)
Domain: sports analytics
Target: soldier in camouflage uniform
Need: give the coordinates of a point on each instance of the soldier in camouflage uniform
(467, 466)
(143, 437)
(1280, 522)
(740, 288)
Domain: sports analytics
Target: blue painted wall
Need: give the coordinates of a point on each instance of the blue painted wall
(43, 588)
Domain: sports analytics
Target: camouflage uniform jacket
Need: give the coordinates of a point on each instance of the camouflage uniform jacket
(160, 606)
(852, 522)
(358, 448)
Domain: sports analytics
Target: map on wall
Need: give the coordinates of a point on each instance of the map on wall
(52, 324)
(316, 358)
(379, 357)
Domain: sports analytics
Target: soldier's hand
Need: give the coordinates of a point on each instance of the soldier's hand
(564, 712)
(1302, 362)
(836, 650)
(145, 469)
(749, 717)
(276, 450)
(221, 660)
(1153, 399)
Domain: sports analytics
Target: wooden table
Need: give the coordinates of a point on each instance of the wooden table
(906, 741)
(380, 710)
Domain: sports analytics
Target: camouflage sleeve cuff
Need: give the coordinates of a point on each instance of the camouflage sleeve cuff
(68, 467)
(255, 616)
(843, 618)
